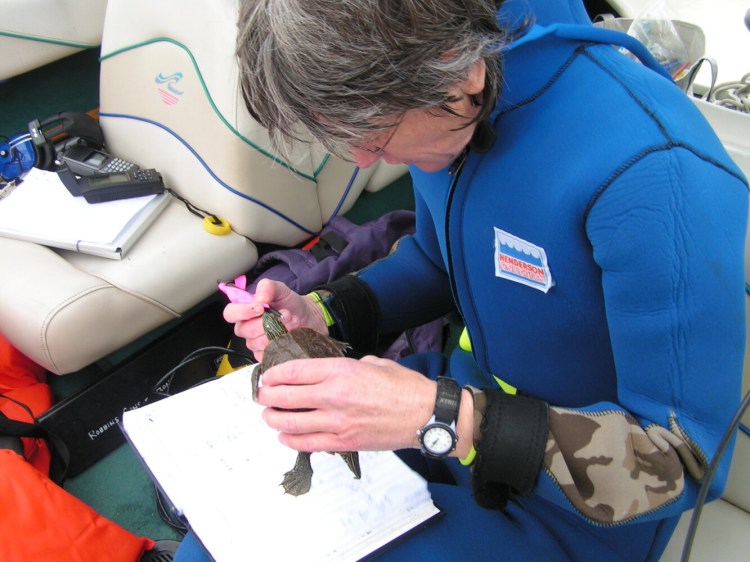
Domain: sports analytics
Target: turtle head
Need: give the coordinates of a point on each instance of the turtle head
(272, 326)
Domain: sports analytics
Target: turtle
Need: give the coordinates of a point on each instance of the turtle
(299, 343)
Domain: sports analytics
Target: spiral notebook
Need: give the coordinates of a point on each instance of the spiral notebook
(221, 466)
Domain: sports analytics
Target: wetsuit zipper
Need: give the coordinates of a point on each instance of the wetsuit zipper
(455, 171)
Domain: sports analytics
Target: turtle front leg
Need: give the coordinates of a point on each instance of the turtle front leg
(255, 381)
(298, 480)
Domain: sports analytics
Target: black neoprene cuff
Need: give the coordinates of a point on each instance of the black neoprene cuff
(511, 449)
(352, 305)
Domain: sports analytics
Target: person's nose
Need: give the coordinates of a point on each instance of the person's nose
(363, 158)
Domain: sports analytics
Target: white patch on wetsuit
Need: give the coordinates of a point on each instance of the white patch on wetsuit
(521, 261)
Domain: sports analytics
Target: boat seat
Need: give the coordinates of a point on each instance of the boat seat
(723, 532)
(36, 32)
(169, 100)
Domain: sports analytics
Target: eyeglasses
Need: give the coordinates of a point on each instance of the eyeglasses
(380, 150)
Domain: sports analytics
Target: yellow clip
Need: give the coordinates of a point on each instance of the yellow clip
(504, 386)
(218, 228)
(464, 342)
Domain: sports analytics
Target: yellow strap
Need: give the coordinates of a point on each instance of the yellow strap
(326, 314)
(464, 342)
(469, 458)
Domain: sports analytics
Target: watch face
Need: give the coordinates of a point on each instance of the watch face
(437, 440)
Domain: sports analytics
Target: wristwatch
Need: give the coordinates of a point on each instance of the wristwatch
(438, 436)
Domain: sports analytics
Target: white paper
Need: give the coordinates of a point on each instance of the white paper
(42, 206)
(222, 466)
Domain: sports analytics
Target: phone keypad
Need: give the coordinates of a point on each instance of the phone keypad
(117, 165)
(145, 175)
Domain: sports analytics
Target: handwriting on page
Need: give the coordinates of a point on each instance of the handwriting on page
(221, 464)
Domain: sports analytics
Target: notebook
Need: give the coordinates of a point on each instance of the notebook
(41, 210)
(221, 466)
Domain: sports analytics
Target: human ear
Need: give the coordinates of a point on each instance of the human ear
(474, 83)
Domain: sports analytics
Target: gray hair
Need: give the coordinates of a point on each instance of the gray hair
(343, 70)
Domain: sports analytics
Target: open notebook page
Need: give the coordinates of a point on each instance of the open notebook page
(222, 467)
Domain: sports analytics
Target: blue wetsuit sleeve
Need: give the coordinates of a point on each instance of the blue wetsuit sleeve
(410, 285)
(673, 278)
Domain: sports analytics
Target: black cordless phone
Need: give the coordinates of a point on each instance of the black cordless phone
(110, 187)
(85, 161)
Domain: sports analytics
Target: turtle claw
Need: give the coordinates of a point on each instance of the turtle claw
(298, 481)
(352, 461)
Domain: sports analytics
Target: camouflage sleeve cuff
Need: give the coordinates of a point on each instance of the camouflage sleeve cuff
(511, 448)
(354, 311)
(611, 469)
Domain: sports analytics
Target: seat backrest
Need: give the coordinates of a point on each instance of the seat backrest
(33, 34)
(170, 100)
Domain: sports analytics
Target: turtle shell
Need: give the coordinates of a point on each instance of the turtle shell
(300, 343)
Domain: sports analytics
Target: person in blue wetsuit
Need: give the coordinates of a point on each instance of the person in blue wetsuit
(577, 212)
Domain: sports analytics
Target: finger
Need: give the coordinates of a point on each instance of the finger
(255, 339)
(269, 291)
(309, 372)
(265, 288)
(316, 442)
(309, 384)
(249, 330)
(257, 346)
(299, 422)
(235, 312)
(289, 320)
(282, 394)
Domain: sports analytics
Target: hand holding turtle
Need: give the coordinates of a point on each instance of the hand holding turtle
(297, 311)
(342, 404)
(283, 346)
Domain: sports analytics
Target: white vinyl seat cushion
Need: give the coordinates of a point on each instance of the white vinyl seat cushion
(36, 32)
(66, 310)
(723, 531)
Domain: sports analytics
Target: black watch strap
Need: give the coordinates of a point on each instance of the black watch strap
(447, 401)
